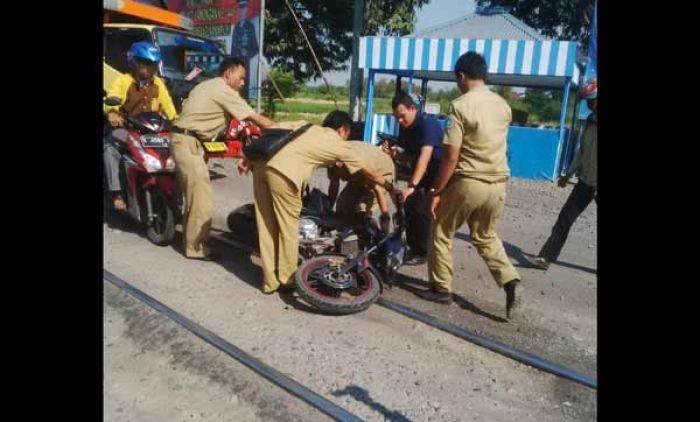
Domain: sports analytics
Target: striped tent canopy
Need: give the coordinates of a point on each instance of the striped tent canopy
(510, 62)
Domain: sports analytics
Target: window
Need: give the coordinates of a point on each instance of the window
(177, 47)
(117, 42)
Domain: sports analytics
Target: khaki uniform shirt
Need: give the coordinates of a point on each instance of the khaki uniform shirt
(379, 162)
(478, 124)
(206, 107)
(317, 147)
(585, 162)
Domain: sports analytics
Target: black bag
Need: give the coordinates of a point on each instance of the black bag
(272, 140)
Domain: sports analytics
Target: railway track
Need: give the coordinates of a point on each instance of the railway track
(462, 333)
(271, 374)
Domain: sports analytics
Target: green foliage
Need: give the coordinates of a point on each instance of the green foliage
(287, 85)
(328, 24)
(565, 19)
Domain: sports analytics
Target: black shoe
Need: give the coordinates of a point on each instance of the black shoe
(513, 300)
(415, 259)
(438, 296)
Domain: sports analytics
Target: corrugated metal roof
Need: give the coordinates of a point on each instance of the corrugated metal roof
(502, 26)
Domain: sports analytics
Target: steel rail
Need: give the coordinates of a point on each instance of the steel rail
(324, 405)
(493, 345)
(479, 340)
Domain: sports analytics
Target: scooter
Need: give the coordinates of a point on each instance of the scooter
(148, 175)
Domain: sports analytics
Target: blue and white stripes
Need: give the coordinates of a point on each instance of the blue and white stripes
(383, 123)
(516, 57)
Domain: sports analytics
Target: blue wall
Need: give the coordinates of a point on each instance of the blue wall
(532, 152)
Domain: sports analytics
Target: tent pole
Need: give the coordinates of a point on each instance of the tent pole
(562, 121)
(369, 106)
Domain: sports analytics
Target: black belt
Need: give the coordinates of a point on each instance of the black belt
(187, 132)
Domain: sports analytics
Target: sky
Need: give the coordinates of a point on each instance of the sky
(433, 13)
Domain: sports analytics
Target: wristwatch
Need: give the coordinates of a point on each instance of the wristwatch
(385, 217)
(411, 185)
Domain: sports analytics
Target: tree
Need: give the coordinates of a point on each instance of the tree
(566, 19)
(328, 24)
(287, 85)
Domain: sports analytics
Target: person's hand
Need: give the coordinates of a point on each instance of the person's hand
(244, 166)
(388, 149)
(115, 119)
(407, 192)
(434, 205)
(563, 181)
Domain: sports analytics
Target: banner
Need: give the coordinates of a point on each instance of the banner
(234, 24)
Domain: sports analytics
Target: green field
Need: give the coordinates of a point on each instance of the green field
(315, 110)
(313, 107)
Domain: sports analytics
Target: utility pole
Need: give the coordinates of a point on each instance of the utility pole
(261, 41)
(356, 74)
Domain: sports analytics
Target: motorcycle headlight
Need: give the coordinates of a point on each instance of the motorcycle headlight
(151, 163)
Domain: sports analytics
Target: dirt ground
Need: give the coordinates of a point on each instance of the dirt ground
(377, 364)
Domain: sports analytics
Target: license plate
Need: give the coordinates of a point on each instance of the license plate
(215, 146)
(154, 141)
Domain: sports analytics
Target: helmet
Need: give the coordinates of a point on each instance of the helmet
(143, 50)
(589, 90)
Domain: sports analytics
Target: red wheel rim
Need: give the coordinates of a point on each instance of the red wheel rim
(365, 285)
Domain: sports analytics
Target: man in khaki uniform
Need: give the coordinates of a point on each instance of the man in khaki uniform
(203, 116)
(278, 186)
(471, 183)
(360, 197)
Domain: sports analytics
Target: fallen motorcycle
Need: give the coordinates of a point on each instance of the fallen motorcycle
(343, 267)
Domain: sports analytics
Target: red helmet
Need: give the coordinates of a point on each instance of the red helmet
(589, 90)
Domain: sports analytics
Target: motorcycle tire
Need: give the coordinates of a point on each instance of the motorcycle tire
(241, 223)
(161, 231)
(326, 298)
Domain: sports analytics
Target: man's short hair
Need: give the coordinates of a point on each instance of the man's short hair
(337, 119)
(403, 97)
(472, 65)
(229, 63)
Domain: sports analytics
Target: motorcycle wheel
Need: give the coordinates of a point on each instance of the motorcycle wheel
(162, 230)
(330, 299)
(241, 223)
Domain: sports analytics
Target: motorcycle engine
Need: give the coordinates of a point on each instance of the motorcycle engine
(308, 230)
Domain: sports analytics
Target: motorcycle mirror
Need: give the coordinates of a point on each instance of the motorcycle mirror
(113, 101)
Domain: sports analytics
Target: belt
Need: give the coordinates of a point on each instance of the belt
(187, 132)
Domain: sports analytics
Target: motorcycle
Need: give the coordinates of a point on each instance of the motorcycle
(148, 172)
(343, 267)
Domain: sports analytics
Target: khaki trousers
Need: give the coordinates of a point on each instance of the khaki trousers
(356, 199)
(277, 210)
(193, 174)
(480, 205)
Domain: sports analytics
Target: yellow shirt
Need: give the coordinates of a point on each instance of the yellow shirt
(317, 147)
(207, 105)
(478, 125)
(121, 85)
